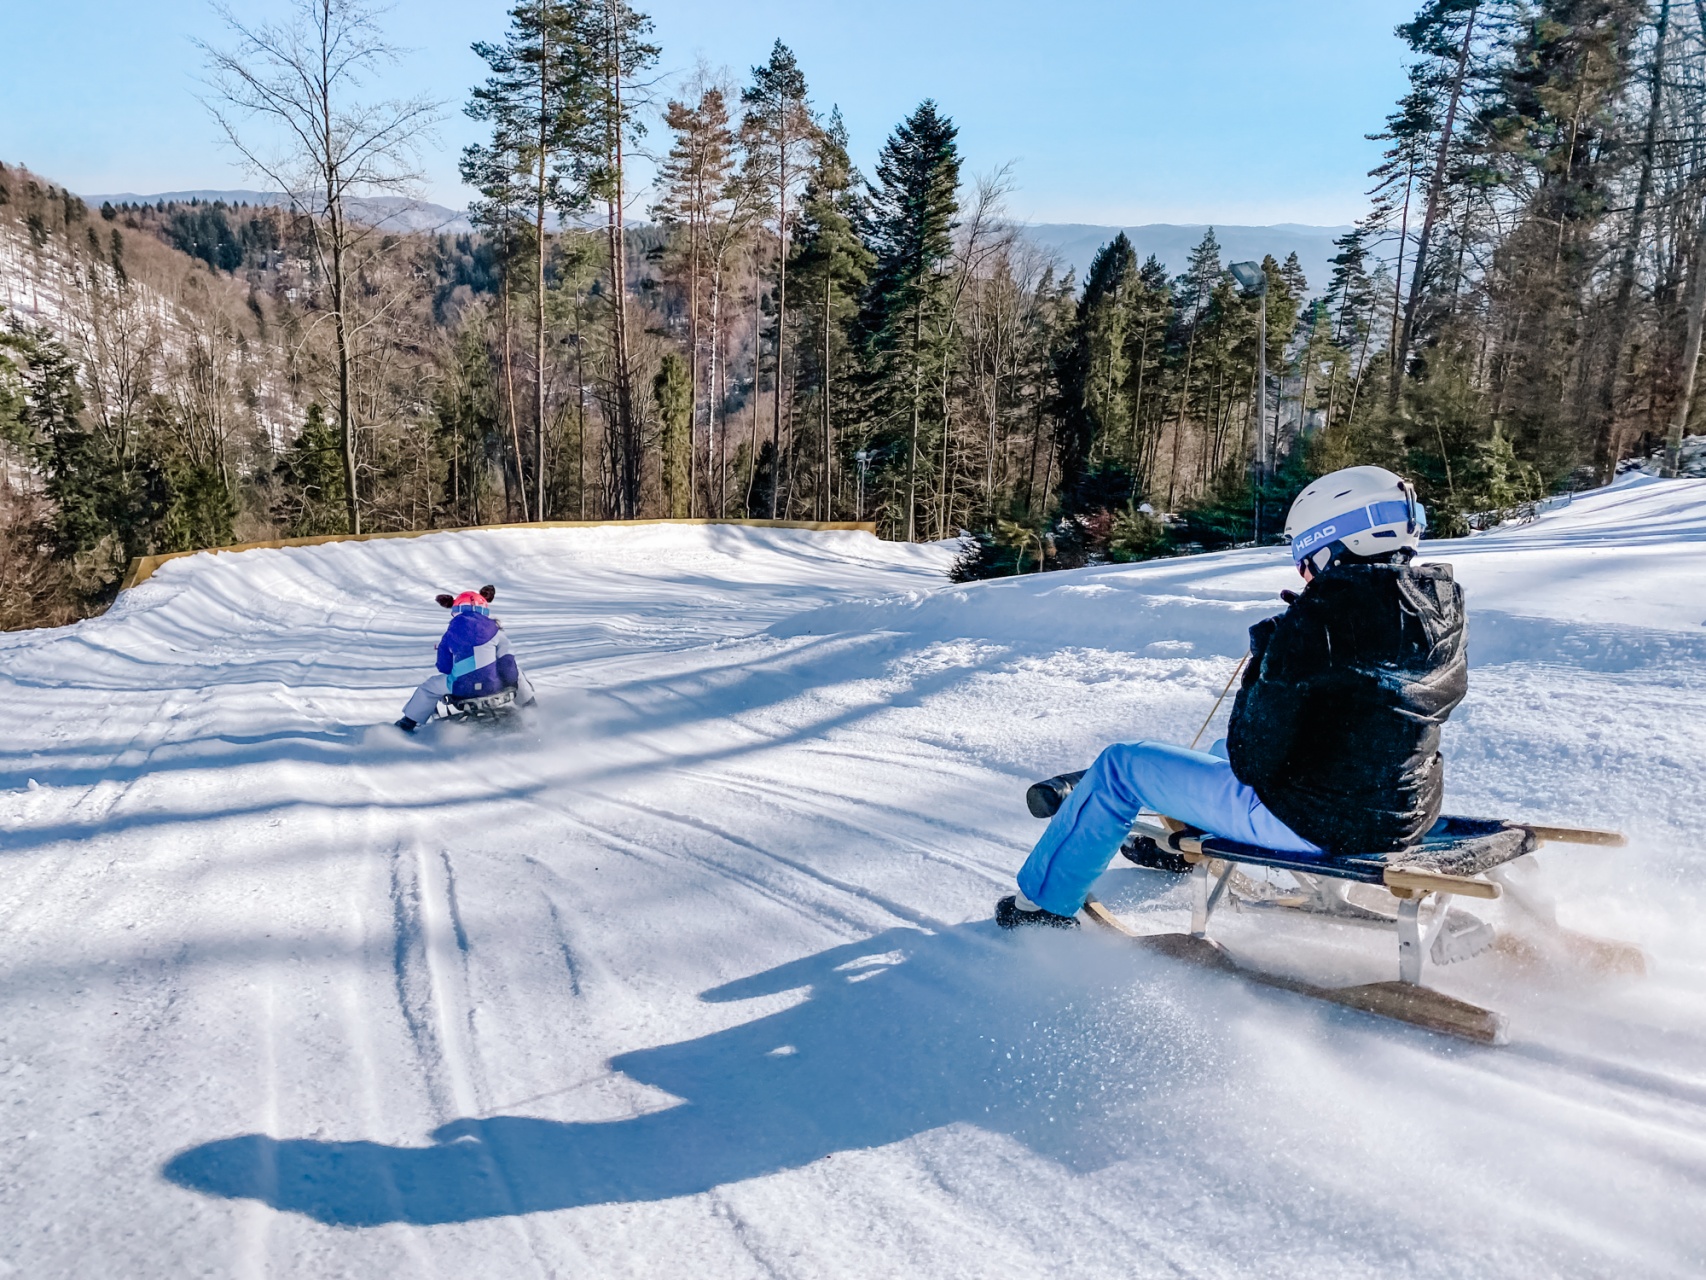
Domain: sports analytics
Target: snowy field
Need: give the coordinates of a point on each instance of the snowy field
(693, 974)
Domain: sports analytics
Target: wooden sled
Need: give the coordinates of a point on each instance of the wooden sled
(1409, 892)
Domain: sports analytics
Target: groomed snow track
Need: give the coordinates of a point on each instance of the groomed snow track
(692, 974)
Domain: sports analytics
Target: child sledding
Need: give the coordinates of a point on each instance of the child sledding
(477, 675)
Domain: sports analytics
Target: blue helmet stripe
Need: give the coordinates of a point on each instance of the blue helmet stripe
(1354, 522)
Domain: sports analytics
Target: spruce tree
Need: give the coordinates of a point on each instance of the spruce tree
(199, 510)
(909, 231)
(311, 479)
(467, 425)
(13, 349)
(108, 496)
(1094, 370)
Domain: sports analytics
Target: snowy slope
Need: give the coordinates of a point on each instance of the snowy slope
(694, 975)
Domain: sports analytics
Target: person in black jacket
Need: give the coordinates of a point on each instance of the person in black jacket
(1333, 746)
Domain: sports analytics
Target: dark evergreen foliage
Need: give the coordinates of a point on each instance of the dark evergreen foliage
(207, 232)
(311, 479)
(672, 392)
(909, 231)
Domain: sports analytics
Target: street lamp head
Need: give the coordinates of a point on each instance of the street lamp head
(1251, 278)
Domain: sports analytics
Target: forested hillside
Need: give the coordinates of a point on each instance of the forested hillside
(769, 332)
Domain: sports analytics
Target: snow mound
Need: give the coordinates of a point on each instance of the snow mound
(692, 972)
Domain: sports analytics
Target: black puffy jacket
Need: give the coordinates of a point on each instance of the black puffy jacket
(1336, 726)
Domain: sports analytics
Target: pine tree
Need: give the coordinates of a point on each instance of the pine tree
(1569, 69)
(778, 133)
(694, 176)
(1409, 132)
(1605, 444)
(538, 102)
(1350, 292)
(833, 266)
(1194, 290)
(1286, 289)
(672, 390)
(615, 34)
(910, 234)
(1284, 301)
(1152, 309)
(1443, 33)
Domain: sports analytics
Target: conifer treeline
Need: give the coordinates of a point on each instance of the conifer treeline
(781, 336)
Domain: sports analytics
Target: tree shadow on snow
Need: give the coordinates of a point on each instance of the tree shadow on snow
(1042, 1039)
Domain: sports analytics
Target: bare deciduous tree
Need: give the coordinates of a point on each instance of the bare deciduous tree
(289, 98)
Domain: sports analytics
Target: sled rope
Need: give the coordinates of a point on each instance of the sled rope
(1222, 698)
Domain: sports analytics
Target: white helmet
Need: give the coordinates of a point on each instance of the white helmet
(1367, 511)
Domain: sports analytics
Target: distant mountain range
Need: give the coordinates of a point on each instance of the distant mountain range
(390, 213)
(1077, 243)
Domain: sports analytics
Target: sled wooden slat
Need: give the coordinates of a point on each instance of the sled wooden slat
(1417, 881)
(1419, 1006)
(1424, 1007)
(1578, 835)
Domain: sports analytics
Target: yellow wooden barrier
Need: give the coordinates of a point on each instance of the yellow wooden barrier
(142, 567)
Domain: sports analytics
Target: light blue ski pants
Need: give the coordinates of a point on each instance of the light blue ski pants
(1194, 787)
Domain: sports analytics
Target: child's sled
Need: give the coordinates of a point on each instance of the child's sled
(1409, 892)
(492, 708)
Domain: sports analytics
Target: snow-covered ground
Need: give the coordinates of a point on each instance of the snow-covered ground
(694, 974)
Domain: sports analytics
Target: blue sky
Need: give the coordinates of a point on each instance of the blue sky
(1230, 111)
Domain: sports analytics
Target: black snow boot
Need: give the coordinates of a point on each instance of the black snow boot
(407, 725)
(1146, 853)
(1045, 798)
(1010, 915)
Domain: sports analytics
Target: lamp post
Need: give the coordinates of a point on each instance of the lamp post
(1254, 282)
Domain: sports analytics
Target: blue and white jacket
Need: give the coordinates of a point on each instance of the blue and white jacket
(475, 656)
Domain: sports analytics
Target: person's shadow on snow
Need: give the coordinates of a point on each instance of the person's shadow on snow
(1040, 1038)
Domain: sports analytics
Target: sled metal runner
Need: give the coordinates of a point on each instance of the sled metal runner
(1411, 892)
(492, 707)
